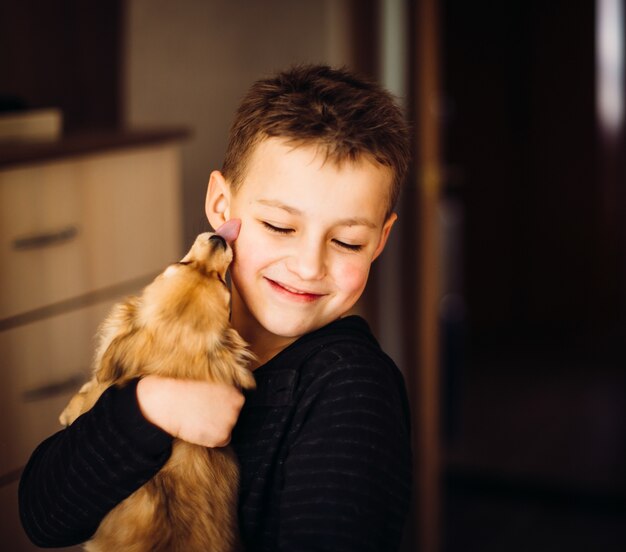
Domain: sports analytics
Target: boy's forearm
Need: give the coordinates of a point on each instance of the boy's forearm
(78, 475)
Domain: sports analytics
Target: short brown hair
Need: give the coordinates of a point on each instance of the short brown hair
(346, 116)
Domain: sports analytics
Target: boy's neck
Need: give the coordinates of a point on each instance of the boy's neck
(264, 344)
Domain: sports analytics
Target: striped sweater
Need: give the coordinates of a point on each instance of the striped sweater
(323, 444)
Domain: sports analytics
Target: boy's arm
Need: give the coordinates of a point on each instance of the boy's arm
(348, 475)
(78, 475)
(75, 477)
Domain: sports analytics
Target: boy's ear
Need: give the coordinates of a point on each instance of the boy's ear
(217, 204)
(385, 234)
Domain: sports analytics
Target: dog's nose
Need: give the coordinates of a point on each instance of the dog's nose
(221, 241)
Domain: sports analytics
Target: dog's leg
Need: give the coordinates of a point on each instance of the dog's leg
(82, 401)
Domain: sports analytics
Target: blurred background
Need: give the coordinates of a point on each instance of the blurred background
(501, 295)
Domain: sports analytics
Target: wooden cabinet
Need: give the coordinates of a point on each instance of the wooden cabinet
(70, 227)
(44, 364)
(76, 234)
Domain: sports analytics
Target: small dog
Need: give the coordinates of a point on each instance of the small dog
(178, 327)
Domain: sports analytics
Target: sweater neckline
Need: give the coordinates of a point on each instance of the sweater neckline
(352, 324)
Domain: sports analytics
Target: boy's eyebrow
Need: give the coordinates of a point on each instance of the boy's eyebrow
(352, 221)
(279, 205)
(356, 221)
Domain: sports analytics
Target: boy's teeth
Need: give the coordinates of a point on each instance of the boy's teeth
(292, 290)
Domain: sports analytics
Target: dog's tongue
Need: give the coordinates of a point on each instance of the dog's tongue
(229, 230)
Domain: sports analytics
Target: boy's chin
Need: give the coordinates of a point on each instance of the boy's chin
(293, 329)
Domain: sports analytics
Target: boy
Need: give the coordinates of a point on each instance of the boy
(312, 171)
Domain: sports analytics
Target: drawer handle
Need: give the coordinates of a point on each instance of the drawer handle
(38, 241)
(50, 390)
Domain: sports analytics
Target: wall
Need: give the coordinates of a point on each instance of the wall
(64, 55)
(189, 62)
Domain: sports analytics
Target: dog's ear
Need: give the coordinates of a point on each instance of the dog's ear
(242, 356)
(114, 339)
(111, 366)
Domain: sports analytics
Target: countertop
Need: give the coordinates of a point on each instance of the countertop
(83, 143)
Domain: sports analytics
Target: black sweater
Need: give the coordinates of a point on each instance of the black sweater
(323, 444)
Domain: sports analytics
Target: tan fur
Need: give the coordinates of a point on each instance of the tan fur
(179, 327)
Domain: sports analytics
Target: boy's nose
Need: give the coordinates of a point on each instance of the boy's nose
(308, 263)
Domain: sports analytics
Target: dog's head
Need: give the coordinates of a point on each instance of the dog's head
(180, 325)
(193, 291)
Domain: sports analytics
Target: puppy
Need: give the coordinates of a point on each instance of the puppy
(178, 327)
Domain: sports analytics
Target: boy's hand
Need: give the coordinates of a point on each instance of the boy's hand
(195, 411)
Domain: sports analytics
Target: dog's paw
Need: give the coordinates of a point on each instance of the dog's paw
(82, 401)
(73, 410)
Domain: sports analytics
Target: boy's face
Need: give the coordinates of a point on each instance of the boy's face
(309, 233)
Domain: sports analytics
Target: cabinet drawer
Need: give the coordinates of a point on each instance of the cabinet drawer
(43, 365)
(68, 228)
(40, 236)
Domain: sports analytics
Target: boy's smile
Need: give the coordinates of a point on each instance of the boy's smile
(294, 294)
(310, 230)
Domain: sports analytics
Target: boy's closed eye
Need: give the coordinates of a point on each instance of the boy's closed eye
(348, 246)
(277, 229)
(286, 230)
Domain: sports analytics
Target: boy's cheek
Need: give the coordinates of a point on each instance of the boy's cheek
(353, 276)
(250, 258)
(244, 245)
(251, 246)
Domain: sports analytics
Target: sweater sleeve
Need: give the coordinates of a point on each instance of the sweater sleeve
(347, 476)
(76, 476)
